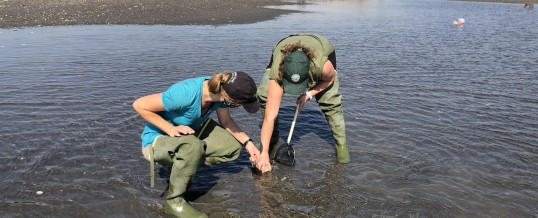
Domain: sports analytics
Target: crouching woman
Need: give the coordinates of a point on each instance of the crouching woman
(180, 133)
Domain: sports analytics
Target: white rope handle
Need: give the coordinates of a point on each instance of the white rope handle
(293, 123)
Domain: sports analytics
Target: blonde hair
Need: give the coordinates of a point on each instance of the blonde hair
(216, 81)
(289, 48)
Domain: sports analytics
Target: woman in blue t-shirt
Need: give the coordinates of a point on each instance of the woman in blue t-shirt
(180, 133)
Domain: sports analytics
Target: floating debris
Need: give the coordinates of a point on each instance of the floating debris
(459, 22)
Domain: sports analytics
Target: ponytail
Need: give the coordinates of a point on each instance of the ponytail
(216, 81)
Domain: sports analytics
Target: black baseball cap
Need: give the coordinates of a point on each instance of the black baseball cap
(242, 89)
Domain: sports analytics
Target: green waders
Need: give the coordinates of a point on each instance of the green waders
(330, 103)
(186, 154)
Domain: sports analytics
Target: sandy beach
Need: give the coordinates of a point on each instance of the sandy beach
(26, 13)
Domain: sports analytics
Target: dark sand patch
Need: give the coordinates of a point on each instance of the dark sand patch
(24, 13)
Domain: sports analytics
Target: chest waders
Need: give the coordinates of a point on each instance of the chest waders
(330, 103)
(186, 154)
(329, 100)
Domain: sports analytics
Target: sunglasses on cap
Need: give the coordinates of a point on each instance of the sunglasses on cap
(231, 104)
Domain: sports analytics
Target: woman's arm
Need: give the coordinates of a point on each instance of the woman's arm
(226, 121)
(148, 107)
(327, 78)
(274, 97)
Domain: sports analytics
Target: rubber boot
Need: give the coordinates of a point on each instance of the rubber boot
(176, 204)
(342, 154)
(185, 153)
(338, 128)
(330, 102)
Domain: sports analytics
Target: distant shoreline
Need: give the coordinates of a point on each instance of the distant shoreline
(28, 13)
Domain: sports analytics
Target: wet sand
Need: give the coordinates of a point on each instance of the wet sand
(26, 13)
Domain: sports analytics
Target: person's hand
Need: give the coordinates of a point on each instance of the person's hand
(179, 130)
(263, 164)
(302, 99)
(254, 152)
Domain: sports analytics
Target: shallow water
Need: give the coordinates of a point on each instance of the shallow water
(441, 121)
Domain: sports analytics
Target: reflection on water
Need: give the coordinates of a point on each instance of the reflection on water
(441, 120)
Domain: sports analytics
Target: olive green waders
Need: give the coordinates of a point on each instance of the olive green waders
(186, 154)
(330, 103)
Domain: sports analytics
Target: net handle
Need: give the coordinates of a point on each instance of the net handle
(293, 124)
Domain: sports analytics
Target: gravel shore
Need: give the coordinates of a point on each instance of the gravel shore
(26, 13)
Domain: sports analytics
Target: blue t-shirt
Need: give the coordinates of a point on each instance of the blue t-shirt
(183, 106)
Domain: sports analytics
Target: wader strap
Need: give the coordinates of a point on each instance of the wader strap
(206, 122)
(152, 164)
(151, 167)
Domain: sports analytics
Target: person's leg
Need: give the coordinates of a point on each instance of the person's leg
(330, 102)
(221, 146)
(185, 154)
(262, 98)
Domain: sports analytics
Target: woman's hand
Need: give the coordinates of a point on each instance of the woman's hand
(179, 130)
(254, 152)
(263, 164)
(302, 99)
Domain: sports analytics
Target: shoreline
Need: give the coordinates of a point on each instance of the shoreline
(32, 13)
(36, 13)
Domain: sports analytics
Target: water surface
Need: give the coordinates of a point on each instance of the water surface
(441, 121)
